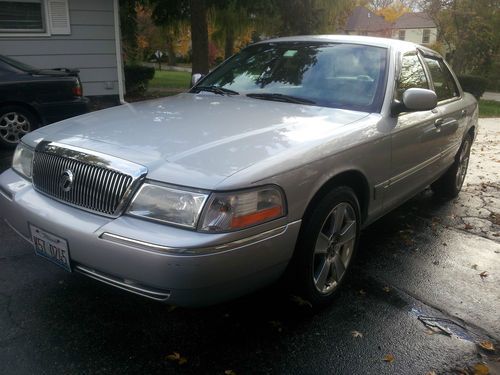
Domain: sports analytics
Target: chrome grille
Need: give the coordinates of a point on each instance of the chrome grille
(93, 187)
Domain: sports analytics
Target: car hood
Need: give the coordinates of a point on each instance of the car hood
(198, 139)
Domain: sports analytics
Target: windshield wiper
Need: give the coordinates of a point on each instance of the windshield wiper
(280, 98)
(216, 90)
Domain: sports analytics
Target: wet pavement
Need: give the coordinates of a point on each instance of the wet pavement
(415, 298)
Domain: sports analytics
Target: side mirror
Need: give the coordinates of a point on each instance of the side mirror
(195, 78)
(415, 100)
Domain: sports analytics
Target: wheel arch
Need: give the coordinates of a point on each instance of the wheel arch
(26, 106)
(352, 178)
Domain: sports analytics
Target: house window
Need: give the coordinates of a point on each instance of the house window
(426, 36)
(402, 34)
(22, 16)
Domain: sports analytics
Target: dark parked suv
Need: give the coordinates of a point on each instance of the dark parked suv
(30, 98)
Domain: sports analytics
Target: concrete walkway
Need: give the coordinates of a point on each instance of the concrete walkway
(491, 96)
(168, 67)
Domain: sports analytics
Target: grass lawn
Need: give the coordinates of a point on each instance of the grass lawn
(489, 108)
(170, 80)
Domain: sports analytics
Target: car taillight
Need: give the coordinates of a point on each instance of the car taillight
(77, 88)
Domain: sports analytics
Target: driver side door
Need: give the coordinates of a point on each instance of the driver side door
(415, 147)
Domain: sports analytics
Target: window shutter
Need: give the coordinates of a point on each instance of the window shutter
(59, 17)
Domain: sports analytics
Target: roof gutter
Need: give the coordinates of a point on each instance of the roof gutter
(118, 50)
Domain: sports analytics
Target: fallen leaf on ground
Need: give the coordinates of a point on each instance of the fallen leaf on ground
(386, 289)
(171, 308)
(431, 372)
(481, 369)
(362, 292)
(300, 301)
(389, 358)
(276, 324)
(484, 274)
(356, 334)
(474, 267)
(468, 227)
(176, 357)
(487, 345)
(229, 372)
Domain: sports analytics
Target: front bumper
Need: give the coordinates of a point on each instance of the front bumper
(149, 258)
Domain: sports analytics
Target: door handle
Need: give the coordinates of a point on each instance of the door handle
(463, 112)
(438, 122)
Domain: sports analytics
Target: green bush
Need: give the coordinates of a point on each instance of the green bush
(473, 84)
(137, 78)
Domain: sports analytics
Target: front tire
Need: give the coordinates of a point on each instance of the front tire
(327, 245)
(15, 122)
(450, 184)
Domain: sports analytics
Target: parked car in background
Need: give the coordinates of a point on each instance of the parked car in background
(31, 98)
(270, 166)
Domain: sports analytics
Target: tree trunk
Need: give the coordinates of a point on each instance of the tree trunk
(199, 36)
(229, 44)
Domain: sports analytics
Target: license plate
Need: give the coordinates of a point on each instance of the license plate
(51, 247)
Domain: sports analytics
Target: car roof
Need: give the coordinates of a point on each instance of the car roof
(396, 44)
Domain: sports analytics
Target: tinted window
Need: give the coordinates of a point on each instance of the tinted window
(412, 75)
(444, 84)
(328, 74)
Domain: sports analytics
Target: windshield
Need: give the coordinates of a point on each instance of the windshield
(16, 64)
(337, 75)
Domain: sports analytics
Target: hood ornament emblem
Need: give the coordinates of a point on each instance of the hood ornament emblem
(66, 180)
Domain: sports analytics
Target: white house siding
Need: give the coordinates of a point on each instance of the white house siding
(415, 35)
(90, 47)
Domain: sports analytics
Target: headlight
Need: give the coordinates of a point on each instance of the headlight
(22, 160)
(168, 205)
(232, 211)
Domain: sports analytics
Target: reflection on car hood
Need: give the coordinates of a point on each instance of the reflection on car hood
(198, 140)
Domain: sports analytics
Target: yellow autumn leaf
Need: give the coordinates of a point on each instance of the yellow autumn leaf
(488, 345)
(431, 372)
(481, 369)
(229, 372)
(389, 358)
(182, 360)
(386, 289)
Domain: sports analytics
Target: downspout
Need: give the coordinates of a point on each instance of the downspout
(118, 49)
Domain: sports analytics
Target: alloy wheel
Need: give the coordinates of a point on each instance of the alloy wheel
(334, 247)
(13, 126)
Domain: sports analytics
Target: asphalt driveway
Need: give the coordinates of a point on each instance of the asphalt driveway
(424, 296)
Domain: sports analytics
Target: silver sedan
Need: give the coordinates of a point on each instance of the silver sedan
(268, 168)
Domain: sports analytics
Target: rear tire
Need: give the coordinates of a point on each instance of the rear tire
(15, 122)
(449, 185)
(327, 245)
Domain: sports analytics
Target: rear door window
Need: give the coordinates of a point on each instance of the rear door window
(444, 83)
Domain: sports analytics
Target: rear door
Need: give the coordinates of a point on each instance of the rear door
(452, 120)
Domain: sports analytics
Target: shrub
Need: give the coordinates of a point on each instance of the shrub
(473, 84)
(137, 78)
